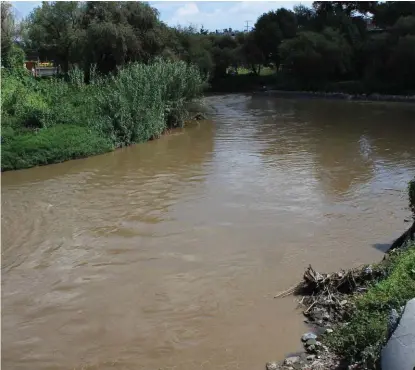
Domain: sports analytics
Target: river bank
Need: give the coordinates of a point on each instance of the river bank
(354, 314)
(342, 96)
(270, 84)
(51, 121)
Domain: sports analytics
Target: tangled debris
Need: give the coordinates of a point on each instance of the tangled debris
(326, 301)
(325, 296)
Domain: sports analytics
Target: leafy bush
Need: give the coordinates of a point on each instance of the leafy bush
(14, 58)
(41, 118)
(32, 109)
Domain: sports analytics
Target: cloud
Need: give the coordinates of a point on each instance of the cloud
(191, 14)
(211, 14)
(218, 15)
(188, 9)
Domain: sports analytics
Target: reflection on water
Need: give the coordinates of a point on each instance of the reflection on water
(167, 254)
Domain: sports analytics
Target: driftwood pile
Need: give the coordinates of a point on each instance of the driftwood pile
(326, 299)
(324, 296)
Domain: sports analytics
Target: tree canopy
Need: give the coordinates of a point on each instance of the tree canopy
(370, 42)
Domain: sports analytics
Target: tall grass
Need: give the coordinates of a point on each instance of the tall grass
(155, 93)
(135, 105)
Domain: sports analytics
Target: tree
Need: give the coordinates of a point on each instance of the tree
(250, 54)
(270, 29)
(223, 53)
(313, 58)
(389, 57)
(347, 7)
(54, 30)
(387, 13)
(7, 29)
(405, 25)
(192, 47)
(401, 63)
(304, 16)
(121, 32)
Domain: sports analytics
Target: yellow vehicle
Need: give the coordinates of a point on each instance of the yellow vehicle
(41, 69)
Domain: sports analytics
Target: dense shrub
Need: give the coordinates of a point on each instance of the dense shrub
(48, 121)
(156, 93)
(14, 58)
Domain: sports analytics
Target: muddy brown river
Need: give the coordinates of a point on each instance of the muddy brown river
(167, 255)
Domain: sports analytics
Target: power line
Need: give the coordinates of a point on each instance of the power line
(247, 26)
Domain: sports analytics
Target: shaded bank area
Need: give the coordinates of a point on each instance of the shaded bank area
(50, 121)
(355, 313)
(343, 96)
(270, 84)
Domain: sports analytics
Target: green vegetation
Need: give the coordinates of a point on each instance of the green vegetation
(357, 47)
(49, 121)
(53, 145)
(362, 338)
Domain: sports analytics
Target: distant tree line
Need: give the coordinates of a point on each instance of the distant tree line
(357, 45)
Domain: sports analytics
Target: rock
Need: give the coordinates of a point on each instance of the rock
(399, 352)
(369, 270)
(311, 349)
(308, 336)
(326, 316)
(291, 360)
(328, 331)
(343, 302)
(311, 342)
(311, 357)
(271, 366)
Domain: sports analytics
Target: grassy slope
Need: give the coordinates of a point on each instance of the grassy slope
(366, 332)
(53, 145)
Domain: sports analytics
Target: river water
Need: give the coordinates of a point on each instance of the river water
(167, 255)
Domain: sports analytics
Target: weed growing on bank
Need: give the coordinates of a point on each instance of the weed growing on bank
(52, 120)
(361, 338)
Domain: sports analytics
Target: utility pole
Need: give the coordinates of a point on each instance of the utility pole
(247, 26)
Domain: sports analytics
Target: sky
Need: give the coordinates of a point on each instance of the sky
(211, 15)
